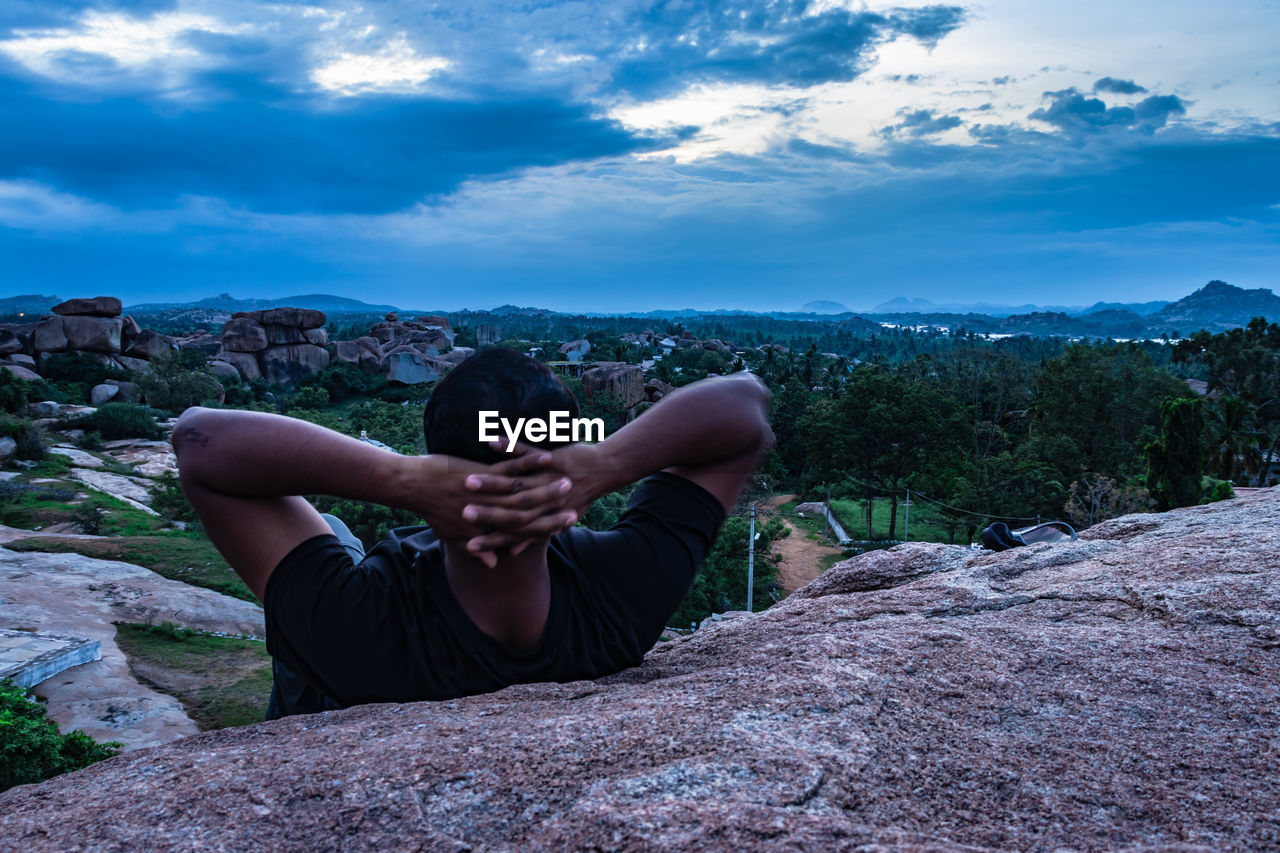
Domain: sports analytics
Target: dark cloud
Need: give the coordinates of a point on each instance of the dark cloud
(922, 123)
(1076, 113)
(40, 14)
(1117, 86)
(270, 151)
(689, 41)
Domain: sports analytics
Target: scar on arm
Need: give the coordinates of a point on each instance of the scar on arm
(193, 435)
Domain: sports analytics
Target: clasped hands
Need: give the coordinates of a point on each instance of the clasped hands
(510, 504)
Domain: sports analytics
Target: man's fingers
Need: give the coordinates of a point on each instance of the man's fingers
(521, 537)
(520, 492)
(524, 457)
(504, 518)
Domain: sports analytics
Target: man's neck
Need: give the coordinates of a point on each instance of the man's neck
(509, 602)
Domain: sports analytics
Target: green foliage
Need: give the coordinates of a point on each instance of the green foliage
(606, 511)
(78, 367)
(121, 420)
(13, 392)
(1107, 399)
(32, 749)
(342, 380)
(179, 380)
(170, 501)
(398, 425)
(1217, 490)
(1175, 461)
(721, 584)
(309, 397)
(369, 522)
(29, 438)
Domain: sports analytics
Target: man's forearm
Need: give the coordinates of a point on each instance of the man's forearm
(705, 423)
(253, 454)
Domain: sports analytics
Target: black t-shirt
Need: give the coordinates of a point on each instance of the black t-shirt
(389, 628)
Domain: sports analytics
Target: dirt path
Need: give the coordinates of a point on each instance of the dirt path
(802, 558)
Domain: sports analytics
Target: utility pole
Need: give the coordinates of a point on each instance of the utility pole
(751, 559)
(906, 524)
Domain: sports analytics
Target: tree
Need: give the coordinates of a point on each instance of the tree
(1233, 440)
(1106, 399)
(1175, 461)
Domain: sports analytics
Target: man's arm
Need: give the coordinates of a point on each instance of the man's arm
(244, 472)
(712, 432)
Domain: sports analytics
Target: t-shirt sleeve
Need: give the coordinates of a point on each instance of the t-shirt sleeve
(334, 622)
(649, 558)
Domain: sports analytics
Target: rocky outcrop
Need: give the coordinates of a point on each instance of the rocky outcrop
(410, 352)
(98, 306)
(625, 381)
(286, 345)
(1120, 692)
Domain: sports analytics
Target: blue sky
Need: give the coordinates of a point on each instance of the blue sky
(628, 155)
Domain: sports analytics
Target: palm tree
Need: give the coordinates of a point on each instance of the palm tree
(1233, 440)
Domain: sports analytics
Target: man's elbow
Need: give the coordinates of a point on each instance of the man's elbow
(190, 434)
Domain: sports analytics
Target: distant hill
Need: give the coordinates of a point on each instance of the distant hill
(228, 303)
(825, 306)
(27, 304)
(918, 305)
(1142, 309)
(1217, 306)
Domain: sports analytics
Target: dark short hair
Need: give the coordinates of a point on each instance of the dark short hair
(502, 380)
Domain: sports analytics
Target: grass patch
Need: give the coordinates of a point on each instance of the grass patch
(220, 681)
(179, 557)
(926, 523)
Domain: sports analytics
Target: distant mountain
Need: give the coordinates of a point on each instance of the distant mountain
(1142, 309)
(825, 306)
(902, 305)
(227, 303)
(1217, 306)
(27, 304)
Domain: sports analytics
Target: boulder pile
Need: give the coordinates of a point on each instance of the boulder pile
(93, 326)
(408, 351)
(284, 345)
(1121, 692)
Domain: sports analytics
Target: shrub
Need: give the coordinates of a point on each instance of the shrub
(13, 392)
(170, 501)
(179, 380)
(29, 438)
(121, 420)
(32, 749)
(79, 368)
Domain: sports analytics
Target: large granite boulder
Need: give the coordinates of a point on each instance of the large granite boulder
(245, 363)
(17, 371)
(149, 344)
(98, 306)
(101, 394)
(1117, 693)
(1121, 692)
(49, 335)
(244, 335)
(299, 318)
(204, 342)
(10, 343)
(356, 353)
(488, 333)
(293, 363)
(93, 334)
(626, 381)
(408, 366)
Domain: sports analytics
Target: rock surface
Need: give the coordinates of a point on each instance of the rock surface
(1120, 692)
(79, 596)
(98, 306)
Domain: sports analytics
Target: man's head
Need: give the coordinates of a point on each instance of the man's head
(500, 380)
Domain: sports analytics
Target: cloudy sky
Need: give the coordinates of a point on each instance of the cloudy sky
(630, 154)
